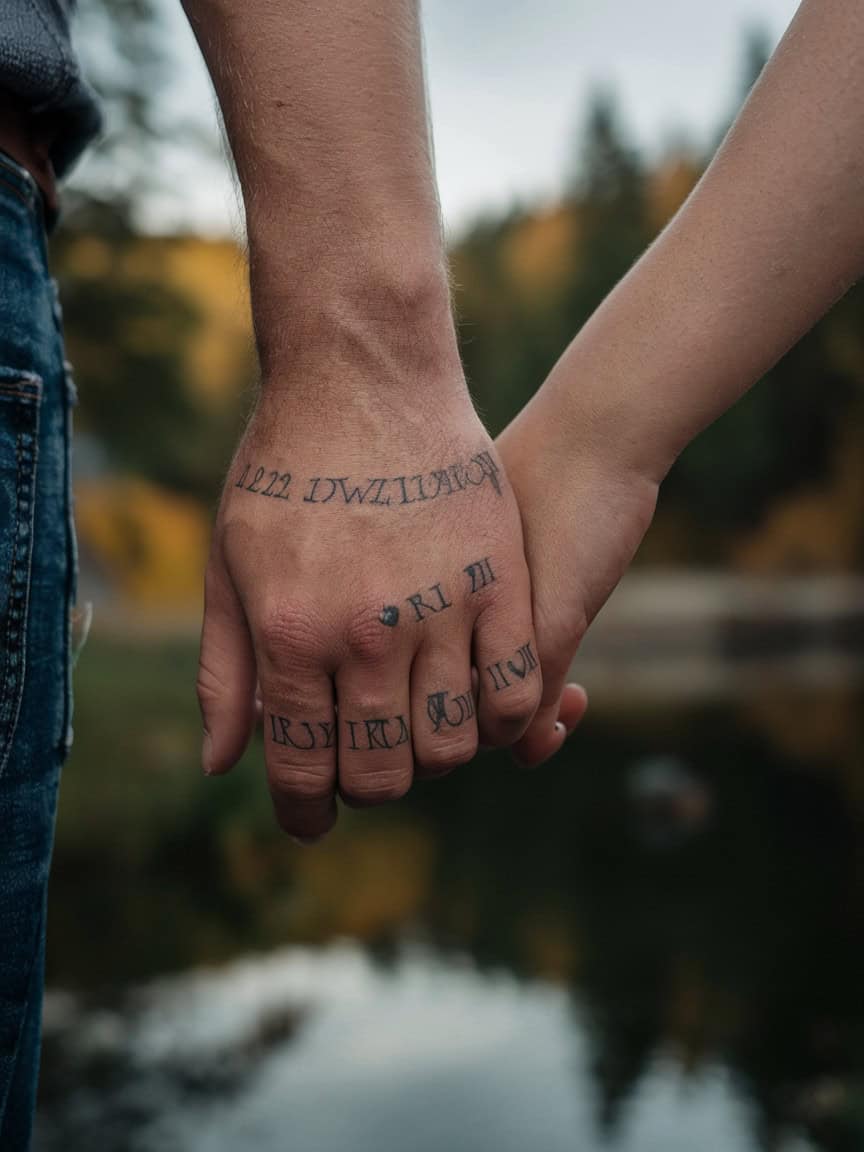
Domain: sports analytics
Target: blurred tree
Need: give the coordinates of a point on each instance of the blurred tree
(526, 282)
(128, 55)
(609, 195)
(129, 334)
(784, 435)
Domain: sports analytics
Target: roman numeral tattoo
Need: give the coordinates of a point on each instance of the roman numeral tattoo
(277, 485)
(504, 673)
(437, 602)
(381, 491)
(449, 713)
(434, 599)
(374, 735)
(480, 573)
(302, 735)
(377, 734)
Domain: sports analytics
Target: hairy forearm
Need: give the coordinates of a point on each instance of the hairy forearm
(324, 108)
(771, 237)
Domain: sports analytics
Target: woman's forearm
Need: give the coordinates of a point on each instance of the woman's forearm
(772, 236)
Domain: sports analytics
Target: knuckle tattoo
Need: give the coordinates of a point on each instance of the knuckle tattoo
(480, 574)
(302, 735)
(434, 599)
(506, 673)
(377, 734)
(452, 713)
(374, 734)
(436, 603)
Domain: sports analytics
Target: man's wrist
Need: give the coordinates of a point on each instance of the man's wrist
(384, 304)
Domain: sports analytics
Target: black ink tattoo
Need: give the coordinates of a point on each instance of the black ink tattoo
(434, 599)
(377, 734)
(452, 713)
(277, 486)
(523, 663)
(384, 491)
(481, 574)
(423, 608)
(302, 735)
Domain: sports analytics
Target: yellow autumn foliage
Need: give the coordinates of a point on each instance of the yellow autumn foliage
(150, 543)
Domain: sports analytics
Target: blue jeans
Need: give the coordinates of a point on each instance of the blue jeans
(37, 577)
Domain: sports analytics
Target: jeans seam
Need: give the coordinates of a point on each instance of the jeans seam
(25, 200)
(71, 563)
(15, 625)
(33, 952)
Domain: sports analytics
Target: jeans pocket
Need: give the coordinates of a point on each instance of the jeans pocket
(20, 401)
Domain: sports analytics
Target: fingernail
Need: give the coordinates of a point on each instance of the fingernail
(207, 754)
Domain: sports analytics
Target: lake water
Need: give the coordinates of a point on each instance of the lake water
(655, 944)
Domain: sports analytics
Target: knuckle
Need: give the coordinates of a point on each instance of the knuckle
(287, 632)
(367, 642)
(443, 757)
(377, 786)
(516, 707)
(301, 783)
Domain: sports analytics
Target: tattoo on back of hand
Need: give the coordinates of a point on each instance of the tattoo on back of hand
(277, 485)
(379, 491)
(434, 600)
(480, 574)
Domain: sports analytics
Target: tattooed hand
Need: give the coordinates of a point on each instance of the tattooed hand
(365, 555)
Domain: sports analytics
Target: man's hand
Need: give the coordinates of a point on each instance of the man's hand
(368, 549)
(367, 553)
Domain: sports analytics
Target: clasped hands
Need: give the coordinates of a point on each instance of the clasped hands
(369, 578)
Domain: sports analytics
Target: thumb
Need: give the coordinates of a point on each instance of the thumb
(562, 707)
(226, 674)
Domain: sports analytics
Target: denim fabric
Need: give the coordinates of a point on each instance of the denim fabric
(38, 65)
(37, 574)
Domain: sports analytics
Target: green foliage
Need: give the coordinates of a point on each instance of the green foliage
(610, 197)
(128, 338)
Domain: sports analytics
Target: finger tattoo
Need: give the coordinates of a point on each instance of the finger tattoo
(504, 673)
(377, 734)
(302, 735)
(452, 713)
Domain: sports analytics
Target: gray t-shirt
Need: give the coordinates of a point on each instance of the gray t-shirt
(38, 65)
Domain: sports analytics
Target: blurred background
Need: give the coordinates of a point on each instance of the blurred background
(654, 944)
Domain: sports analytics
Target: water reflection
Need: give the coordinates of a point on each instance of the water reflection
(655, 944)
(424, 1055)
